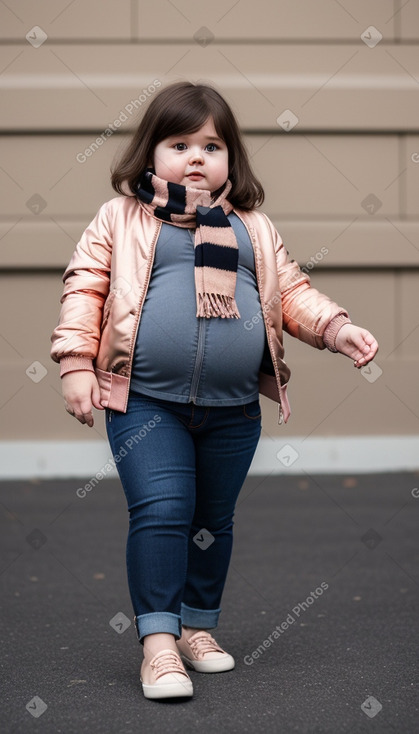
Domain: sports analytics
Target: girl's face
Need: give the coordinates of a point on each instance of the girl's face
(199, 159)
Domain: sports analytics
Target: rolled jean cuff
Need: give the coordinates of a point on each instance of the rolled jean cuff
(199, 618)
(149, 624)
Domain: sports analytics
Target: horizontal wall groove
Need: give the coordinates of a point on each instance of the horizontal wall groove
(324, 268)
(182, 40)
(96, 132)
(369, 220)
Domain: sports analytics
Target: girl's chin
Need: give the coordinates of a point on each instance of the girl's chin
(197, 184)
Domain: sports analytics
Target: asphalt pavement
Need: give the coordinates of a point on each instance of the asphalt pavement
(320, 611)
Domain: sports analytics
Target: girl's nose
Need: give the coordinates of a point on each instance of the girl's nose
(196, 155)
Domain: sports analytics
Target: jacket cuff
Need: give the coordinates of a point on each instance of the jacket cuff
(71, 364)
(331, 330)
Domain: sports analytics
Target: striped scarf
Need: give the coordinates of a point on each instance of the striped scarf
(216, 248)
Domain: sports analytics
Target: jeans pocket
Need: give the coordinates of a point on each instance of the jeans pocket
(252, 410)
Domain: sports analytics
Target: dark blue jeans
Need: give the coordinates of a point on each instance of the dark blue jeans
(182, 467)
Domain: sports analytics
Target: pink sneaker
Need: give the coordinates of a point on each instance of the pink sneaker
(165, 677)
(202, 653)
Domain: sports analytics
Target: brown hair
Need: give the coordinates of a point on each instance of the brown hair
(183, 108)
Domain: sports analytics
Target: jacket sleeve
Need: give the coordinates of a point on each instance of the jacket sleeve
(308, 314)
(75, 340)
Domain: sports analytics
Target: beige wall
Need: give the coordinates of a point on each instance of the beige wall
(357, 134)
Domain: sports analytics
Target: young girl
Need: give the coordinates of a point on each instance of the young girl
(152, 328)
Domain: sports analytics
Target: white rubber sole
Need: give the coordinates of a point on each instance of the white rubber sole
(168, 690)
(210, 666)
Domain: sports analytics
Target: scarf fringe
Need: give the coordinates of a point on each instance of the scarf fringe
(213, 304)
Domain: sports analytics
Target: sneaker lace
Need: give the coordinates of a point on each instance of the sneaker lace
(202, 642)
(167, 662)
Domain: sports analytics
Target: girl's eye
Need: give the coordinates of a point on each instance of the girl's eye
(211, 147)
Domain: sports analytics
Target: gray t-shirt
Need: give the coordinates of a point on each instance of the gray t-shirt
(183, 358)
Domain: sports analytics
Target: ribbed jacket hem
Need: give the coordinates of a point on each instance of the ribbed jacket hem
(71, 364)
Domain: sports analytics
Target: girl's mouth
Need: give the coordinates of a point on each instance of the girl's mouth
(195, 176)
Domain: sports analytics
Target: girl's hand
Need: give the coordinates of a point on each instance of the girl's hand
(356, 343)
(81, 393)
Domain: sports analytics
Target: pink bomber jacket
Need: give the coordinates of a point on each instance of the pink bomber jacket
(106, 282)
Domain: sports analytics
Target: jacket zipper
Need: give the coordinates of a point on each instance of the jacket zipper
(199, 359)
(260, 287)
